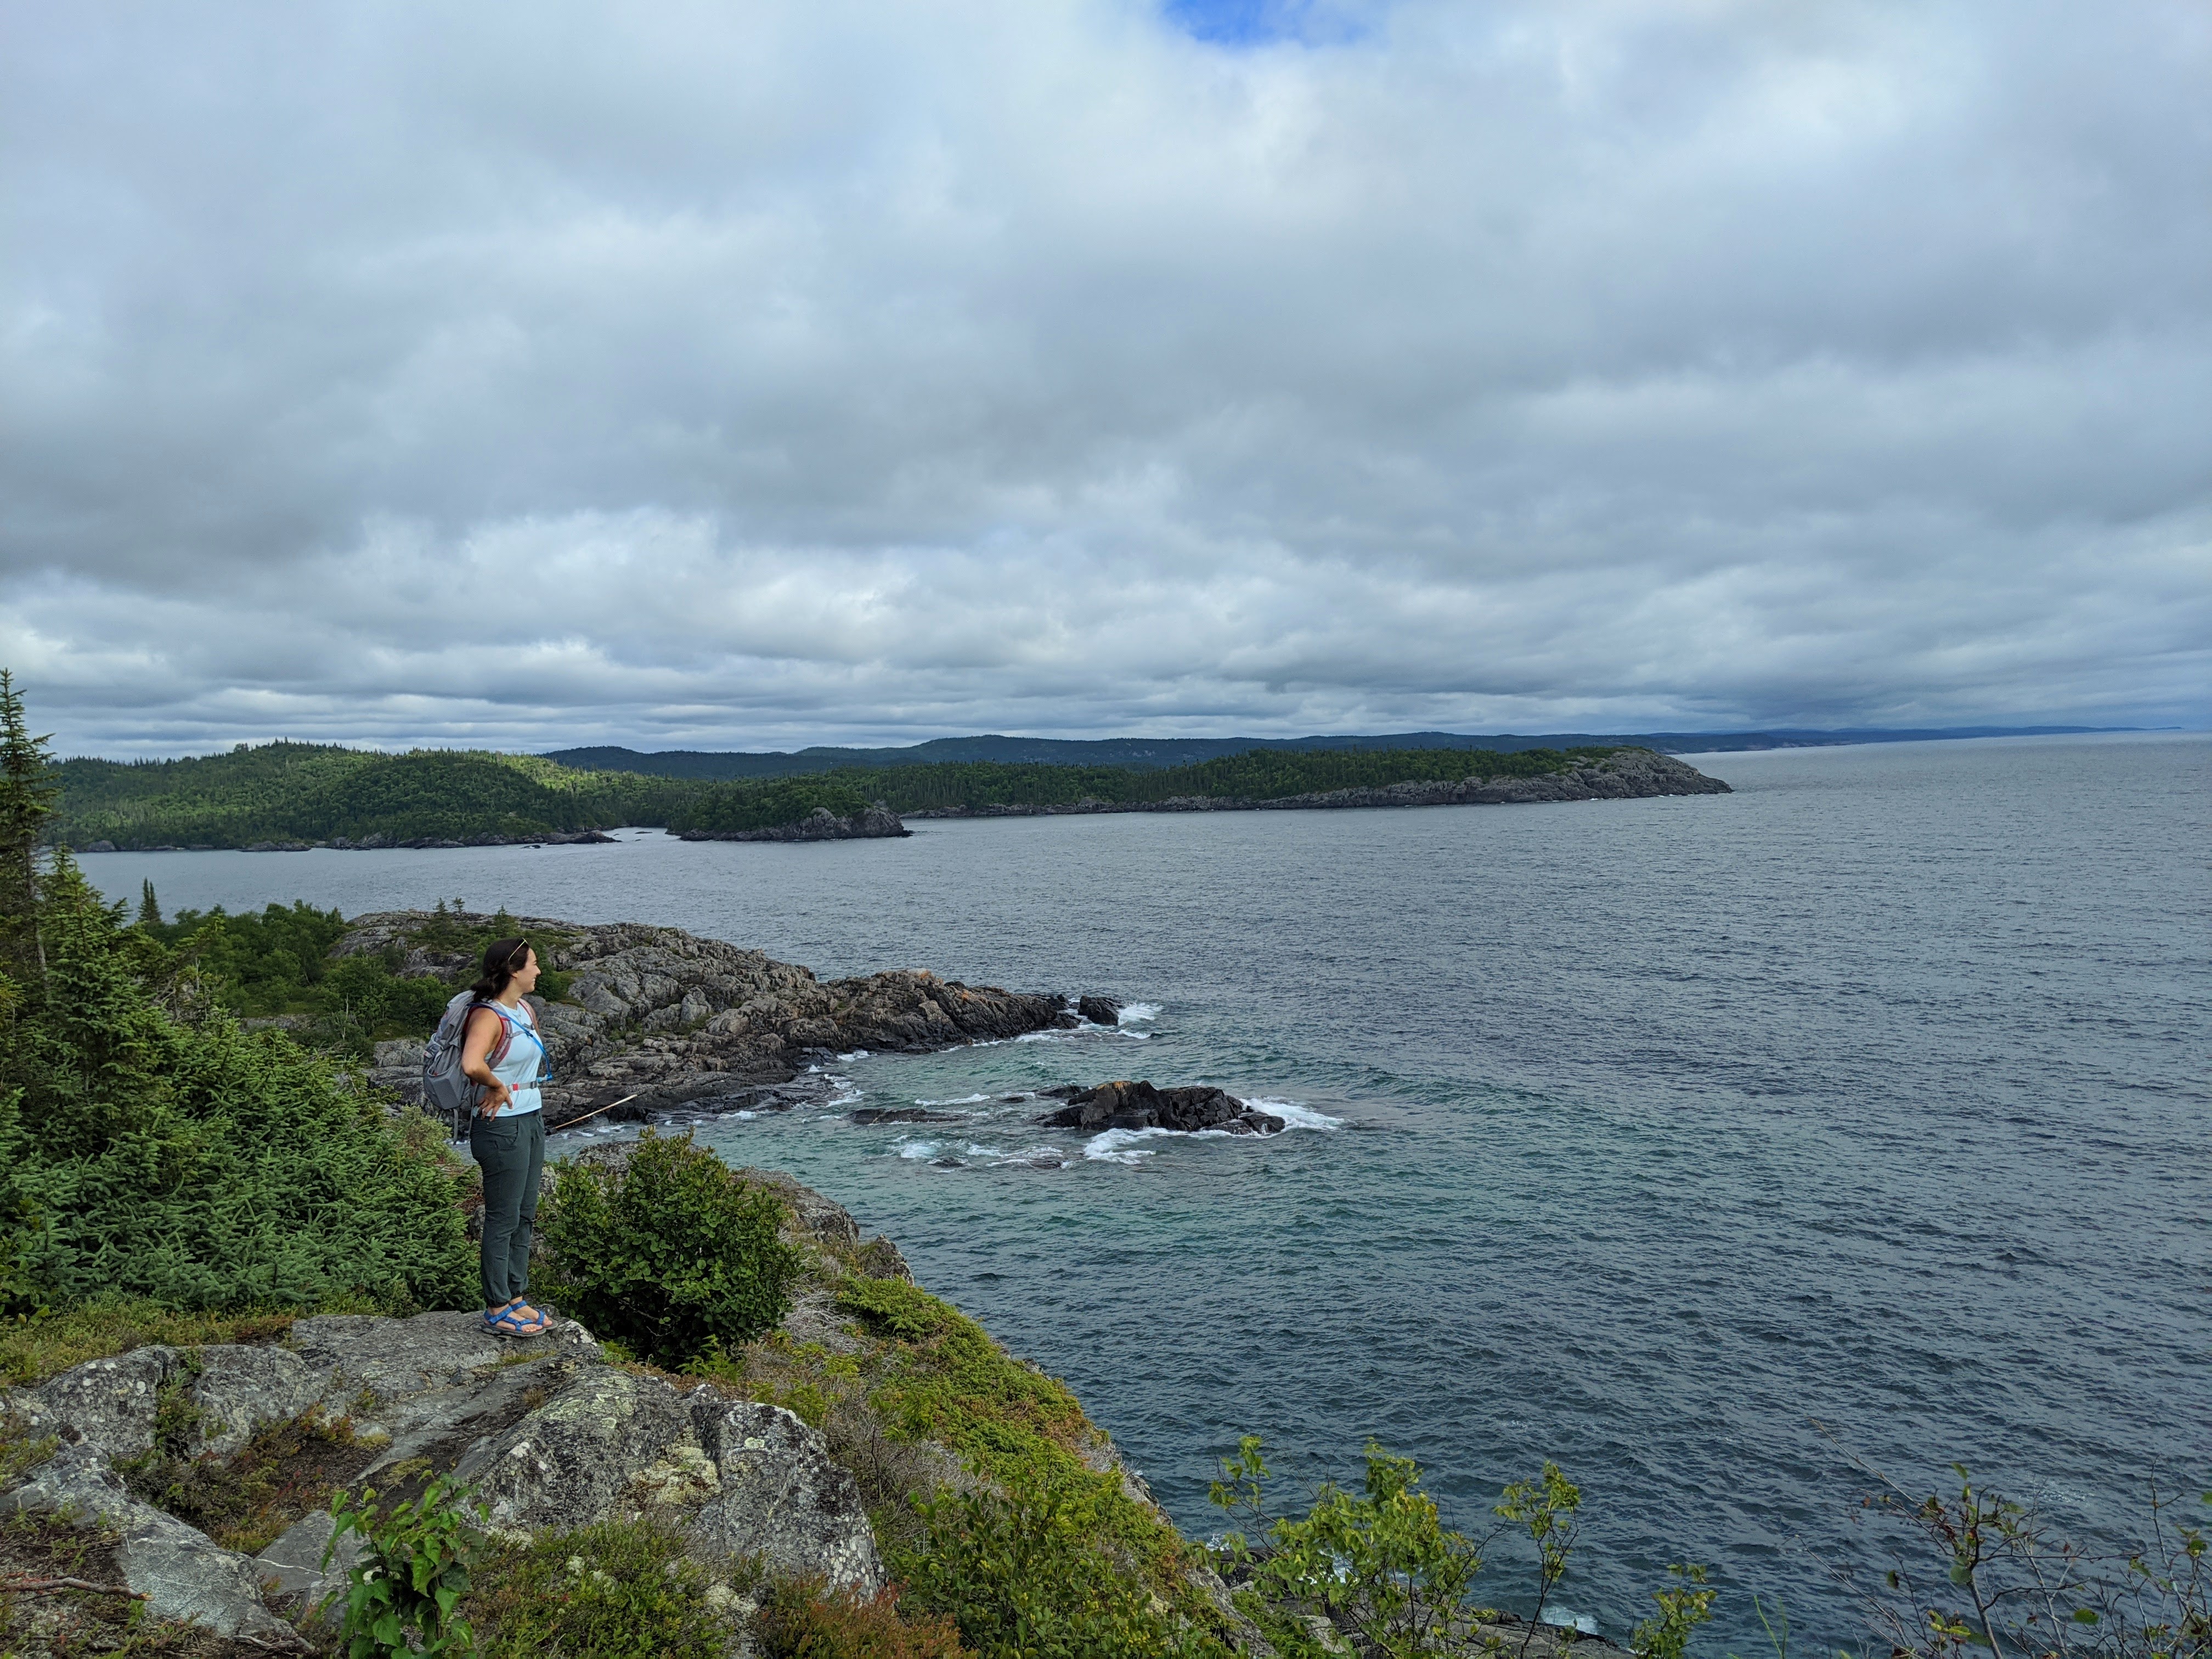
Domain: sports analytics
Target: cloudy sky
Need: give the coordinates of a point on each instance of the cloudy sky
(760, 374)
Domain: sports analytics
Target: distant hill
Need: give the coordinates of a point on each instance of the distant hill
(1149, 754)
(302, 792)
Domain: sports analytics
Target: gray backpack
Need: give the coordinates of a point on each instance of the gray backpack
(446, 1093)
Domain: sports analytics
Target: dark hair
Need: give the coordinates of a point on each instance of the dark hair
(502, 959)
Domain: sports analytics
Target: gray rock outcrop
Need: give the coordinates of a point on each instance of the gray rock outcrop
(182, 1572)
(547, 1435)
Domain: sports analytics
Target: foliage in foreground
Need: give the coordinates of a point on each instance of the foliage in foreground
(151, 1149)
(144, 1153)
(403, 1597)
(1025, 1575)
(1381, 1565)
(622, 1589)
(1380, 1562)
(799, 1620)
(674, 1256)
(1992, 1577)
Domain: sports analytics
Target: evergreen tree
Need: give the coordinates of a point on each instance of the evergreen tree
(26, 799)
(150, 907)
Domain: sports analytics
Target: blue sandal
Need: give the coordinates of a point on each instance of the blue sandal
(509, 1321)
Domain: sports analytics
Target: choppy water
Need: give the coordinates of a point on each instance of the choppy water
(1633, 1135)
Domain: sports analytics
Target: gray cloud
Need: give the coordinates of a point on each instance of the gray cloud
(777, 374)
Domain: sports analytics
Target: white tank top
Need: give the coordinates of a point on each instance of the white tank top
(525, 1057)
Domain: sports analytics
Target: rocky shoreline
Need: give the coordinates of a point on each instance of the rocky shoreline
(374, 843)
(1630, 775)
(679, 1021)
(821, 824)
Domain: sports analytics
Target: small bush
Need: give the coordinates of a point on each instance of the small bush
(618, 1591)
(1026, 1574)
(897, 1308)
(670, 1254)
(405, 1594)
(799, 1620)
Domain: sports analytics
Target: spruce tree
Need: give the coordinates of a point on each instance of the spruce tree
(150, 907)
(26, 800)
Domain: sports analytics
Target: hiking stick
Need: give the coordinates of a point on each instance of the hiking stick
(593, 1113)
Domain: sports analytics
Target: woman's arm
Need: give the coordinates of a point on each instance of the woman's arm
(475, 1060)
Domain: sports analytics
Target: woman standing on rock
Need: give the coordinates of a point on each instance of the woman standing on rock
(503, 1052)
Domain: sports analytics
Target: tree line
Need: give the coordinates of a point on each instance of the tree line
(301, 791)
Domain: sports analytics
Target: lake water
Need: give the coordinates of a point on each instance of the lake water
(1639, 1135)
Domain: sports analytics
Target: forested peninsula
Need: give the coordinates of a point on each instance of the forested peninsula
(286, 796)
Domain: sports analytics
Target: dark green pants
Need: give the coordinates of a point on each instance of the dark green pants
(511, 1152)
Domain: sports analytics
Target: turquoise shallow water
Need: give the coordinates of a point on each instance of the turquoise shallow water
(1639, 1135)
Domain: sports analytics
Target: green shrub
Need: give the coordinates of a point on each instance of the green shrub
(799, 1620)
(903, 1310)
(403, 1598)
(1681, 1610)
(668, 1254)
(1027, 1574)
(1381, 1563)
(189, 1162)
(617, 1590)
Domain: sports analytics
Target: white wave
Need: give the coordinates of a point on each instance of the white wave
(1139, 1011)
(1040, 1036)
(857, 1054)
(1294, 1115)
(964, 1100)
(1584, 1622)
(1116, 1145)
(920, 1150)
(1120, 1145)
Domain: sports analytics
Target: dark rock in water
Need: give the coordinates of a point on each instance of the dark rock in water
(820, 825)
(1125, 1105)
(98, 847)
(1100, 1011)
(901, 1114)
(1255, 1123)
(1062, 1091)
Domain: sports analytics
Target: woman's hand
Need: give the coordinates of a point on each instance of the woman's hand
(495, 1098)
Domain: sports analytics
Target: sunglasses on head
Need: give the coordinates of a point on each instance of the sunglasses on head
(521, 954)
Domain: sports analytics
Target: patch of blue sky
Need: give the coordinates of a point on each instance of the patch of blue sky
(1265, 22)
